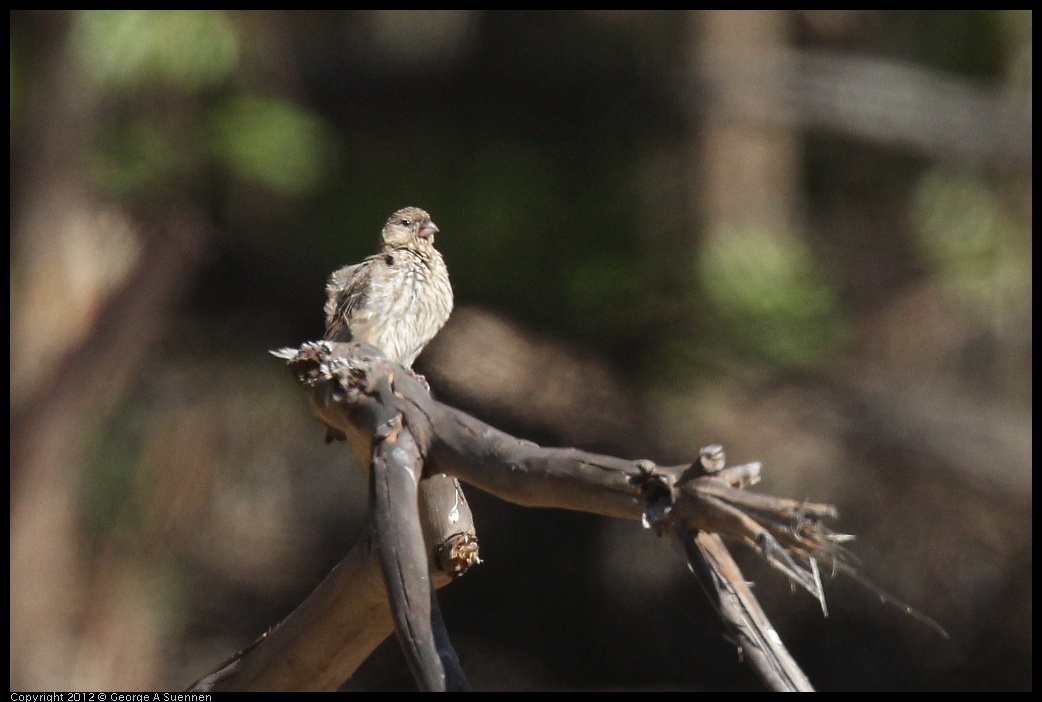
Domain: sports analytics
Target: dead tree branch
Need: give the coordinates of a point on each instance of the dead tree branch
(324, 640)
(387, 414)
(741, 614)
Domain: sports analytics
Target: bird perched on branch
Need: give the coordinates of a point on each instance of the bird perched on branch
(397, 299)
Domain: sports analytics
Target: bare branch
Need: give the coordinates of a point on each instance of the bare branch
(729, 592)
(393, 504)
(377, 405)
(389, 415)
(323, 641)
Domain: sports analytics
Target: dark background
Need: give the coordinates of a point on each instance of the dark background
(804, 235)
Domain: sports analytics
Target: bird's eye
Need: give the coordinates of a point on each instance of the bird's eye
(406, 223)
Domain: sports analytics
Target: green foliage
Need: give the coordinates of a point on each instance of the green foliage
(273, 143)
(155, 67)
(125, 48)
(974, 244)
(138, 157)
(767, 291)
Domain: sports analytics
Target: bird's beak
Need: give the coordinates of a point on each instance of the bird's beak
(428, 230)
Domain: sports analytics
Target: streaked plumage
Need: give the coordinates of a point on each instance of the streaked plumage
(397, 299)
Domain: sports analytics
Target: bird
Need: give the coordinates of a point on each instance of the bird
(396, 299)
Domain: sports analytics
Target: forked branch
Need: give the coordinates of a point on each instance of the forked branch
(406, 438)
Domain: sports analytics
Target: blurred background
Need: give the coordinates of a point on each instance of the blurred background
(803, 234)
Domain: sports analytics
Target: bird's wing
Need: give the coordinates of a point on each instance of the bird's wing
(346, 293)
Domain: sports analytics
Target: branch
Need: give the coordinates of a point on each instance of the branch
(386, 413)
(741, 614)
(322, 642)
(393, 499)
(340, 381)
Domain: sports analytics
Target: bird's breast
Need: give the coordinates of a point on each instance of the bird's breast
(409, 304)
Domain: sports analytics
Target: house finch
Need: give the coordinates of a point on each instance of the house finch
(397, 299)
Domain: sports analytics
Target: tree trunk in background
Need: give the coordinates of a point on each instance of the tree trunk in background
(746, 172)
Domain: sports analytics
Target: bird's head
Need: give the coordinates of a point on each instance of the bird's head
(409, 226)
